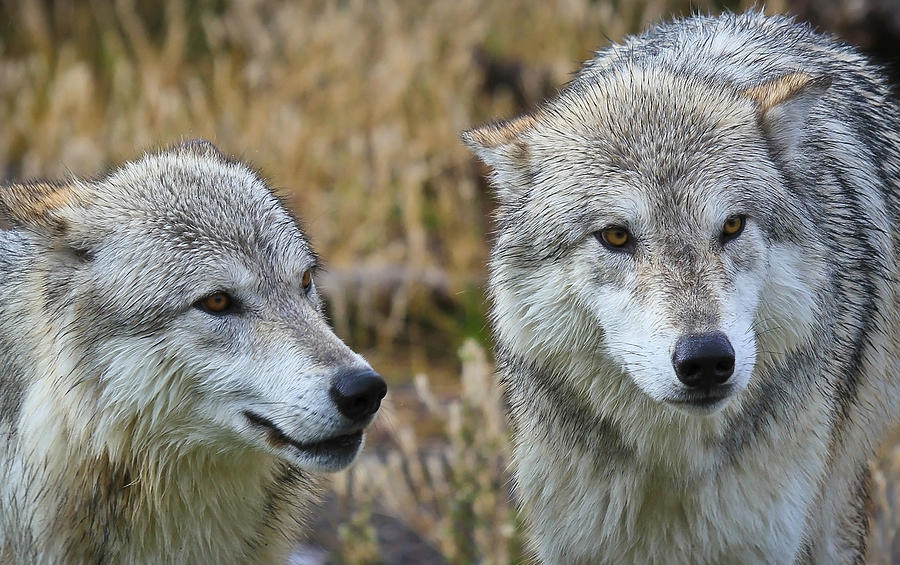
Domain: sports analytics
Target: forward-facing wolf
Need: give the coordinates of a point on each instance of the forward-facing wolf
(695, 296)
(169, 387)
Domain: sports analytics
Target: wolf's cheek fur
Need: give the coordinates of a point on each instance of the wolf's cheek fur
(787, 314)
(637, 339)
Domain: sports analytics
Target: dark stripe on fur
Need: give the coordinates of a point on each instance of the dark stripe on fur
(782, 389)
(568, 419)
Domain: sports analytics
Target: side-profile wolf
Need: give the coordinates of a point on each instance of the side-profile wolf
(695, 296)
(169, 387)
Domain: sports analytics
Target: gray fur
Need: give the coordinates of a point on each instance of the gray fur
(667, 135)
(124, 432)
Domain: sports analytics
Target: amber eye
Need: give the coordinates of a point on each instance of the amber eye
(615, 237)
(306, 280)
(732, 227)
(216, 303)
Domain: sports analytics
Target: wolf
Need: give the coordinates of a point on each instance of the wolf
(170, 390)
(694, 296)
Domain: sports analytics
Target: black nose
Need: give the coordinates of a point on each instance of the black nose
(703, 360)
(358, 393)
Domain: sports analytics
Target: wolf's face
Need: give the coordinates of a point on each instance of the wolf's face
(192, 293)
(642, 220)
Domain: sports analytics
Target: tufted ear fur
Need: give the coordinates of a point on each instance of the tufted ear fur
(785, 104)
(501, 146)
(498, 143)
(54, 212)
(201, 147)
(39, 206)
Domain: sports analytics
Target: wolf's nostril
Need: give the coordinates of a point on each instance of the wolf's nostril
(358, 393)
(703, 360)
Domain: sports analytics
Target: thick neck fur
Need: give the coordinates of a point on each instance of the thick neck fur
(158, 506)
(594, 494)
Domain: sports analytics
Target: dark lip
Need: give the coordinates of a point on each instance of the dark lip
(702, 399)
(345, 443)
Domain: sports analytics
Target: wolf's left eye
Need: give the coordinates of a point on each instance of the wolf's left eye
(217, 303)
(733, 227)
(615, 238)
(306, 280)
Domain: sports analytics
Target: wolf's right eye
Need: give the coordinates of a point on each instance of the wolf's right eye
(217, 303)
(732, 227)
(616, 238)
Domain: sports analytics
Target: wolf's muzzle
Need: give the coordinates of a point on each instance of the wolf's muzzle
(703, 360)
(358, 393)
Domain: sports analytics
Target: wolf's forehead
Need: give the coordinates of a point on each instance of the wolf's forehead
(210, 204)
(634, 116)
(624, 140)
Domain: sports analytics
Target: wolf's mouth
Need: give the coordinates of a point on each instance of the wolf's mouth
(342, 444)
(702, 401)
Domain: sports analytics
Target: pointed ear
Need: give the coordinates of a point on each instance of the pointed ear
(499, 143)
(55, 212)
(40, 206)
(201, 147)
(784, 105)
(501, 146)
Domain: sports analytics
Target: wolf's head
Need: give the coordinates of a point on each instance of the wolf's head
(182, 301)
(646, 235)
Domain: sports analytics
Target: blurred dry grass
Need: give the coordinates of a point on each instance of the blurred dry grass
(449, 486)
(352, 108)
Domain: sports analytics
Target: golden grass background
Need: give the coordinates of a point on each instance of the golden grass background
(352, 109)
